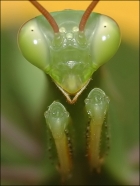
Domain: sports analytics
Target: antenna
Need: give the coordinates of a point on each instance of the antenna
(86, 15)
(47, 15)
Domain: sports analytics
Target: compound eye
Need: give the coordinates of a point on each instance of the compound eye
(105, 41)
(33, 44)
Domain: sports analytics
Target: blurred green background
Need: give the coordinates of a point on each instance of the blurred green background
(26, 92)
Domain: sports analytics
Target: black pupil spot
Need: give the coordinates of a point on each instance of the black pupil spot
(104, 25)
(32, 30)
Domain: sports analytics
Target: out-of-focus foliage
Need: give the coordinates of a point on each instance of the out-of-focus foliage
(26, 92)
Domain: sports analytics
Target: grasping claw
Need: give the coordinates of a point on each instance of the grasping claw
(57, 119)
(96, 105)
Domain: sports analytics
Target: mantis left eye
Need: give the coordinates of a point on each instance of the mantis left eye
(105, 40)
(33, 44)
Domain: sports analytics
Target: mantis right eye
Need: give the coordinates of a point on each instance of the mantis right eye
(33, 44)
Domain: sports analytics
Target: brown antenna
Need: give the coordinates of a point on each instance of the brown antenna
(86, 15)
(47, 15)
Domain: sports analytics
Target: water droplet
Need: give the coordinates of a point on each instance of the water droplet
(75, 29)
(69, 35)
(62, 29)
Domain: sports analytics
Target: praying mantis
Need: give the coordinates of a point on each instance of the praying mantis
(70, 46)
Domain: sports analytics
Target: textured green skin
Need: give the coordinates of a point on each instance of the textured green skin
(70, 61)
(57, 119)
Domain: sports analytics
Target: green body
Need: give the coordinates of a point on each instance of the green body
(70, 58)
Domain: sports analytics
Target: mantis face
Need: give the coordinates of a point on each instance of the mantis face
(70, 54)
(70, 46)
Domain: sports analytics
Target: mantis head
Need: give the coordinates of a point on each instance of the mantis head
(69, 45)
